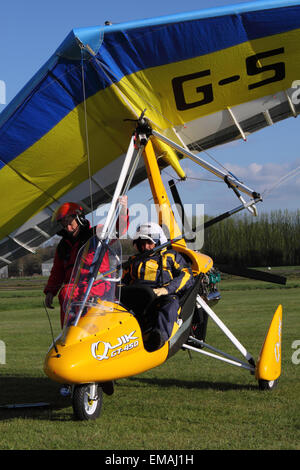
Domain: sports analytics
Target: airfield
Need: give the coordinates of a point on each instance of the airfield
(188, 403)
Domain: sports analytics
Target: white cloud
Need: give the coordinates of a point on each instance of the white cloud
(265, 176)
(255, 168)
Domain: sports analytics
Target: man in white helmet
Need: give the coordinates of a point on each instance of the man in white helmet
(165, 271)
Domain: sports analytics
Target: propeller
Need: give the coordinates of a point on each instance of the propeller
(252, 274)
(235, 270)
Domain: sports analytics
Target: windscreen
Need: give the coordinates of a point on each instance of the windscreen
(95, 279)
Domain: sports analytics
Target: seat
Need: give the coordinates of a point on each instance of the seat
(137, 297)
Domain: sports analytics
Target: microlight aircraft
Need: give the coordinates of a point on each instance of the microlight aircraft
(113, 106)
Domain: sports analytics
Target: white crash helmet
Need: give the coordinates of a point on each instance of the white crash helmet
(150, 231)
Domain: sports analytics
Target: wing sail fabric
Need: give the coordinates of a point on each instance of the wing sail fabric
(205, 78)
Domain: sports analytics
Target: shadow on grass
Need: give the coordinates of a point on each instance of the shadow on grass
(32, 390)
(17, 390)
(190, 384)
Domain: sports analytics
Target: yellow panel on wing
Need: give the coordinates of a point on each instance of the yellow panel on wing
(138, 97)
(162, 150)
(173, 95)
(180, 92)
(58, 162)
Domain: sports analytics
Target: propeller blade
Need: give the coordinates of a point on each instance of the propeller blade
(252, 274)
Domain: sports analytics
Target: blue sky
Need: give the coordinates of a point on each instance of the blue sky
(31, 30)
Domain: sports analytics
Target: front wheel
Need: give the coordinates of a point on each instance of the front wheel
(87, 401)
(267, 384)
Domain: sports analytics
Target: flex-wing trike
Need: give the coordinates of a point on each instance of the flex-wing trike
(106, 326)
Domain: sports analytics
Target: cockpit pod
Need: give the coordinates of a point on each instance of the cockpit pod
(95, 281)
(101, 340)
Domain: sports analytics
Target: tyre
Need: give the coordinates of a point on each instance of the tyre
(85, 405)
(267, 384)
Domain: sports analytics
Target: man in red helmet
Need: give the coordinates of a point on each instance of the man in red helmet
(76, 231)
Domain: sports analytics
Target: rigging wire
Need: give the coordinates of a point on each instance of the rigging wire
(51, 329)
(87, 136)
(204, 179)
(179, 180)
(282, 180)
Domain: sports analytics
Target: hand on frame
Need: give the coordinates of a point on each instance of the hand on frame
(160, 291)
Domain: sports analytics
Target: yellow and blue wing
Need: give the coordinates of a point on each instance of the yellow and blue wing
(204, 77)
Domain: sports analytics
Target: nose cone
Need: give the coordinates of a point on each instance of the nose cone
(53, 365)
(114, 352)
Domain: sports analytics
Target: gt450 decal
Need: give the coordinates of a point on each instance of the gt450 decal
(104, 350)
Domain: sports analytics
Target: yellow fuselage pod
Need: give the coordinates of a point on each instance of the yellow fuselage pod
(105, 345)
(200, 263)
(268, 366)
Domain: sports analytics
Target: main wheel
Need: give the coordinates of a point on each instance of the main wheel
(267, 384)
(87, 401)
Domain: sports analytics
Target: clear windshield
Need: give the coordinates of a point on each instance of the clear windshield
(95, 279)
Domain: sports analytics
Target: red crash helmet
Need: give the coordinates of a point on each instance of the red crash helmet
(68, 208)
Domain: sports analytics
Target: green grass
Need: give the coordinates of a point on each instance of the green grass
(187, 403)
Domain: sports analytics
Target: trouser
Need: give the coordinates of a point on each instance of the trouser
(167, 313)
(63, 298)
(199, 323)
(99, 290)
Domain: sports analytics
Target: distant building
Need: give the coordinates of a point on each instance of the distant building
(4, 272)
(46, 267)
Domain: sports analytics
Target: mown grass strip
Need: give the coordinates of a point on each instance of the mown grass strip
(187, 403)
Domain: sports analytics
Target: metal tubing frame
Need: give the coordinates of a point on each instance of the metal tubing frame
(227, 357)
(201, 303)
(211, 168)
(112, 215)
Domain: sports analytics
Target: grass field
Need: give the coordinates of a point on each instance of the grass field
(188, 403)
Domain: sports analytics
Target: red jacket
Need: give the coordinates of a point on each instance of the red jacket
(66, 253)
(99, 288)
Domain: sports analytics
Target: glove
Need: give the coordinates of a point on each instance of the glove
(160, 291)
(123, 200)
(49, 299)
